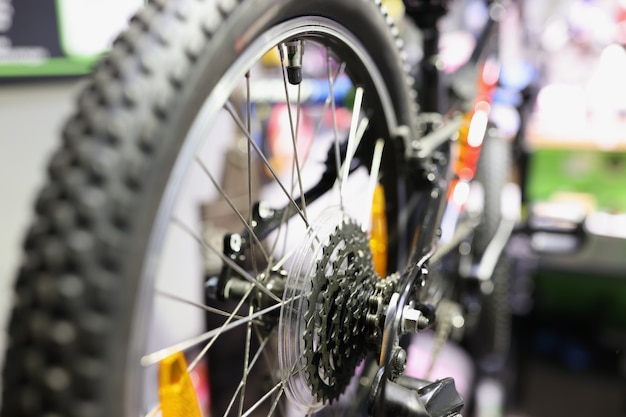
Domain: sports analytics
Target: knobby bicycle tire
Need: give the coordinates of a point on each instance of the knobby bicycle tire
(75, 320)
(492, 336)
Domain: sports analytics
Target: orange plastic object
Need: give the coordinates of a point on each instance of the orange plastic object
(176, 392)
(378, 232)
(474, 127)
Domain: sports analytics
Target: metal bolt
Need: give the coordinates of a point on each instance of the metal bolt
(265, 211)
(411, 320)
(235, 242)
(211, 287)
(398, 361)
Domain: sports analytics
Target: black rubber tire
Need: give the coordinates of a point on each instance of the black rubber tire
(494, 167)
(78, 284)
(493, 332)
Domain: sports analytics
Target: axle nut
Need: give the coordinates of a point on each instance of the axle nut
(411, 320)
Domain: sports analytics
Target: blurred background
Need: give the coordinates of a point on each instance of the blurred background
(565, 71)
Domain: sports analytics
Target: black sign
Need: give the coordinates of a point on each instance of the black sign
(47, 38)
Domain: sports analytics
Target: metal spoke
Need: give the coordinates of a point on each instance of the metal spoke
(340, 70)
(156, 357)
(244, 274)
(221, 330)
(373, 180)
(253, 248)
(195, 304)
(247, 370)
(353, 139)
(271, 364)
(275, 403)
(280, 386)
(292, 128)
(154, 411)
(245, 222)
(292, 251)
(230, 109)
(246, 359)
(283, 224)
(333, 109)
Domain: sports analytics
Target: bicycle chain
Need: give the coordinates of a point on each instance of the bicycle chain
(377, 303)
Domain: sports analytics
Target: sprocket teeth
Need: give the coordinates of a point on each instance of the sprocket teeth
(333, 317)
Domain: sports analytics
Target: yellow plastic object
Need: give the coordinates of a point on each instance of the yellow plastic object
(395, 9)
(378, 232)
(176, 392)
(271, 58)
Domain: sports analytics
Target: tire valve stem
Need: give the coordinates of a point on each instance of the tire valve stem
(294, 52)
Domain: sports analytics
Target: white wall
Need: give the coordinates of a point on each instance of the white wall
(31, 115)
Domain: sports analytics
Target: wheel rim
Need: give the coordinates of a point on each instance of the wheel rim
(211, 110)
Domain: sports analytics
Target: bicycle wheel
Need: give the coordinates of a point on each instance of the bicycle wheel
(171, 206)
(492, 335)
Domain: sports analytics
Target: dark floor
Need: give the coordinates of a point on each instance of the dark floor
(550, 390)
(565, 372)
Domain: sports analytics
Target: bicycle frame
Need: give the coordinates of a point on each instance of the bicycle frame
(431, 172)
(435, 174)
(464, 122)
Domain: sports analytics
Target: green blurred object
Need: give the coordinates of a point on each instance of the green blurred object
(51, 67)
(348, 100)
(574, 294)
(590, 282)
(601, 174)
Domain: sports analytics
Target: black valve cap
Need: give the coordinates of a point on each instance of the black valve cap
(294, 75)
